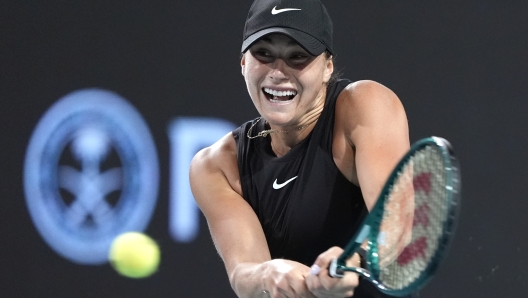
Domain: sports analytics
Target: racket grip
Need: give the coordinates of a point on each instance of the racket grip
(335, 270)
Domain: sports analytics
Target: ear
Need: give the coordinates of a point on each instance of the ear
(329, 69)
(243, 63)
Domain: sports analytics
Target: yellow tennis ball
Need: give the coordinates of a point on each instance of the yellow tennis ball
(134, 255)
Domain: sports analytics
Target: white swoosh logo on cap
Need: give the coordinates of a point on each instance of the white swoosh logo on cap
(281, 185)
(277, 11)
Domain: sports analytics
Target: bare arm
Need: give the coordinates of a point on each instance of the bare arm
(380, 134)
(235, 229)
(370, 137)
(375, 126)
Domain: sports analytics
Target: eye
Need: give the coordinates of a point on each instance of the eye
(262, 54)
(299, 58)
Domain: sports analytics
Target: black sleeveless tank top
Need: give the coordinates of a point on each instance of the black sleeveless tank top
(303, 202)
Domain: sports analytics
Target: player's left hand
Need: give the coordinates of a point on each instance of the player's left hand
(321, 284)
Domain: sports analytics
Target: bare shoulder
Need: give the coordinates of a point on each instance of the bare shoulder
(369, 104)
(369, 97)
(216, 154)
(216, 164)
(369, 116)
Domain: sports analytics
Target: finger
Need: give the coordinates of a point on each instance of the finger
(301, 288)
(312, 279)
(315, 269)
(318, 290)
(294, 288)
(325, 283)
(280, 293)
(324, 259)
(345, 284)
(294, 293)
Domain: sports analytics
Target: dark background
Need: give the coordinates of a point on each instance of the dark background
(459, 67)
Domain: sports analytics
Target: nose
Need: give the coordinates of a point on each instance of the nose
(279, 70)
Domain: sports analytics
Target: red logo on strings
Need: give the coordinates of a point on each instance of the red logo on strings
(421, 216)
(412, 251)
(423, 182)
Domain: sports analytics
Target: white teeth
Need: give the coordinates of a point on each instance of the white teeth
(280, 93)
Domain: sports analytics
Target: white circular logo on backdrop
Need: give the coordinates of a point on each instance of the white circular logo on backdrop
(91, 172)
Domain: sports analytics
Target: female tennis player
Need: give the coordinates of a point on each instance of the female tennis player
(284, 192)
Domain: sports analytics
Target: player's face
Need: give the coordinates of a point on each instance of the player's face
(286, 83)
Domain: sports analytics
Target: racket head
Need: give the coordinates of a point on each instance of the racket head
(404, 252)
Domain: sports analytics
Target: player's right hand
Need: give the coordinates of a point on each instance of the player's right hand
(322, 285)
(285, 279)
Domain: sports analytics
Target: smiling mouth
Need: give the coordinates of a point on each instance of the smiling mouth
(276, 95)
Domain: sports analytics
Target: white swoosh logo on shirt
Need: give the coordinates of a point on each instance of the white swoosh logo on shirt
(277, 11)
(279, 186)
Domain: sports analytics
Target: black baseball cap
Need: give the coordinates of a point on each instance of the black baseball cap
(305, 21)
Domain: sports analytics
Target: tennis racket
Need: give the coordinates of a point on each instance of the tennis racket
(408, 231)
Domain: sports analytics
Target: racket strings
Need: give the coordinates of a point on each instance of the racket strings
(420, 189)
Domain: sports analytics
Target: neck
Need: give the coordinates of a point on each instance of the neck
(282, 143)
